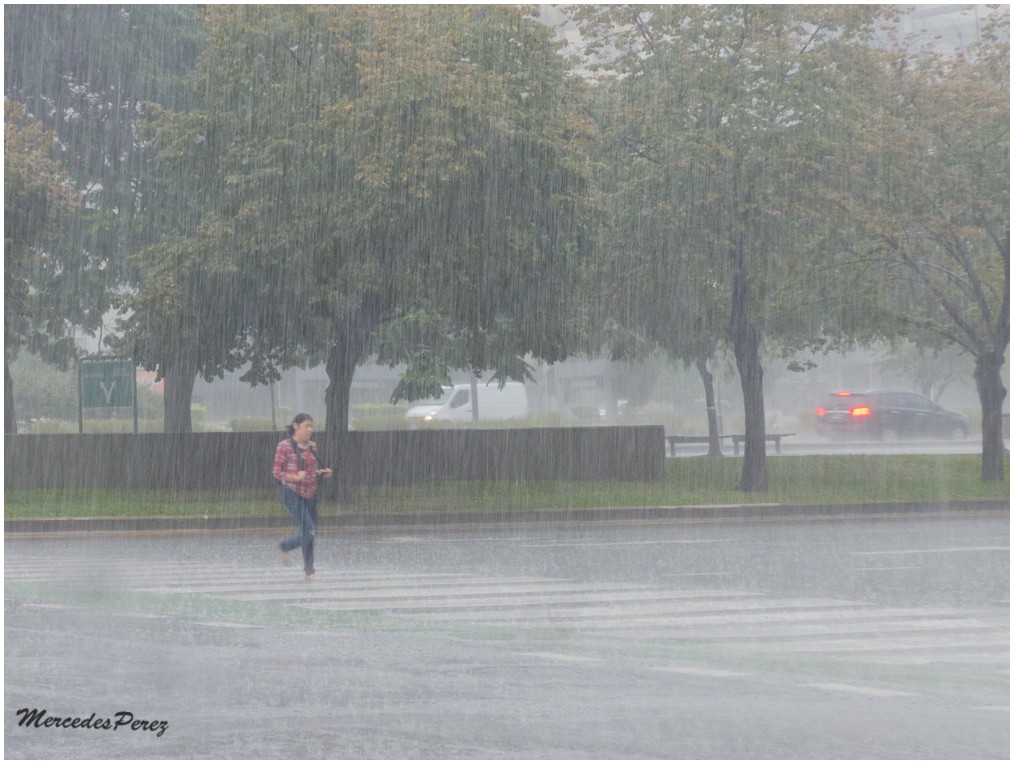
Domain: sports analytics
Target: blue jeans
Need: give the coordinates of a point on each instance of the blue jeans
(304, 512)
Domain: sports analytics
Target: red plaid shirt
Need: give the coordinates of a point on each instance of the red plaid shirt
(286, 463)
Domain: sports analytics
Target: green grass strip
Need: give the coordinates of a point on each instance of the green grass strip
(691, 481)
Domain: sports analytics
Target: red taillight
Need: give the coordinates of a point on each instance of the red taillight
(821, 411)
(860, 411)
(843, 395)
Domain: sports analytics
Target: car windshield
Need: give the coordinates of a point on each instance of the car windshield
(439, 400)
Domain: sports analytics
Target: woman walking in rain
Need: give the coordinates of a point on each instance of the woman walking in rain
(297, 468)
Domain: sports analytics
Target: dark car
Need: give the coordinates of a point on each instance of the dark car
(887, 415)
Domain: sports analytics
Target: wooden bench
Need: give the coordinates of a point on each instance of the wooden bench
(771, 437)
(775, 437)
(675, 440)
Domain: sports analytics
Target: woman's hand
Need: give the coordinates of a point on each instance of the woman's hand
(298, 477)
(326, 472)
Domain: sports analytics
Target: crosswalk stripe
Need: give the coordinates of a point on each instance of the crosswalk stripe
(935, 642)
(999, 656)
(747, 619)
(867, 628)
(572, 616)
(352, 588)
(557, 594)
(700, 671)
(565, 657)
(859, 690)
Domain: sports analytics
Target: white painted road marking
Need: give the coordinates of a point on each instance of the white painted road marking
(860, 690)
(935, 551)
(566, 657)
(698, 671)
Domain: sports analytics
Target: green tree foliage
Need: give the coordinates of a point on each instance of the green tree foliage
(88, 72)
(185, 319)
(188, 309)
(734, 121)
(936, 206)
(40, 308)
(507, 233)
(651, 289)
(368, 166)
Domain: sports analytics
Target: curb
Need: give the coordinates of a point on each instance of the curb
(364, 521)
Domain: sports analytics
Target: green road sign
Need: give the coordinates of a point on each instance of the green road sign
(107, 384)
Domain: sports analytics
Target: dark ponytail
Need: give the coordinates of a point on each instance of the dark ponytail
(299, 419)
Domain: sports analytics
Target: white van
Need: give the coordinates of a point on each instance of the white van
(455, 404)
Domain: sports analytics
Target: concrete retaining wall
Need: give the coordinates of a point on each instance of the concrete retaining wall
(238, 461)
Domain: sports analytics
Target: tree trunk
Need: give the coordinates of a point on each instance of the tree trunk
(179, 394)
(341, 363)
(746, 347)
(347, 352)
(714, 442)
(992, 394)
(342, 360)
(474, 394)
(10, 420)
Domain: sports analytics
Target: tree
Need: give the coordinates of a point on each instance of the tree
(650, 285)
(187, 313)
(931, 364)
(511, 230)
(376, 167)
(39, 276)
(937, 207)
(739, 116)
(88, 72)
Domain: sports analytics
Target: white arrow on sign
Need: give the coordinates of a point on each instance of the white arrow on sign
(108, 390)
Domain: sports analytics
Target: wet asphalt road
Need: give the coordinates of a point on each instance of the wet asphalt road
(864, 638)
